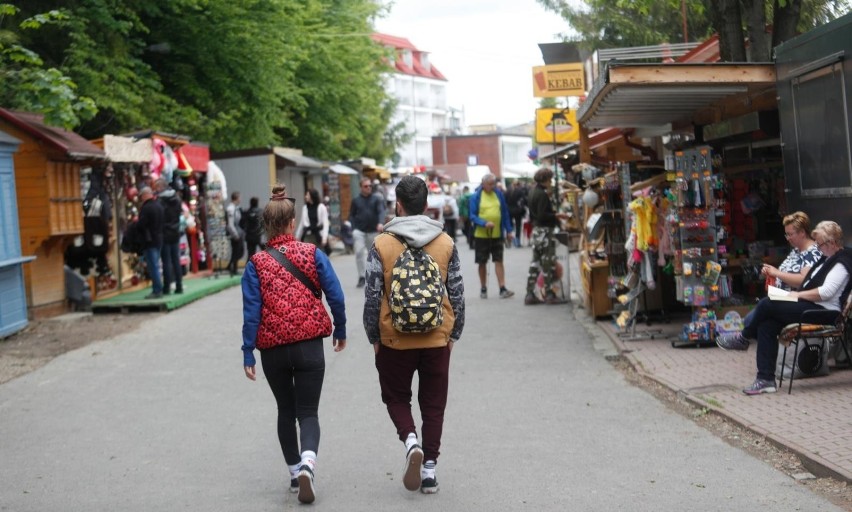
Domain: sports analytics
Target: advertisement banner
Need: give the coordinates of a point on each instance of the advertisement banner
(559, 80)
(567, 129)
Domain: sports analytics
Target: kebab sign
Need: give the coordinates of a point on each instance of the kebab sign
(559, 80)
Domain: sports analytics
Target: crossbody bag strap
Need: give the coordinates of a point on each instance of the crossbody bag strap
(282, 258)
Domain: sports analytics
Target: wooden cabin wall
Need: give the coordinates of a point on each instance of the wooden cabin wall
(49, 213)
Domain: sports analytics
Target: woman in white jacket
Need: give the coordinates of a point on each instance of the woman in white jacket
(313, 224)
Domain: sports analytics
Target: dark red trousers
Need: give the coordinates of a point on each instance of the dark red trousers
(396, 372)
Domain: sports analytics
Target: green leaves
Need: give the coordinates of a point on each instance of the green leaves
(602, 24)
(26, 84)
(237, 74)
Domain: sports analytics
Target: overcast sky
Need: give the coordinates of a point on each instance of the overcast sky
(485, 48)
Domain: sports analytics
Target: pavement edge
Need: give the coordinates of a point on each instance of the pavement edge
(811, 461)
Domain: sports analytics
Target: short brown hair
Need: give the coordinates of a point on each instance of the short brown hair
(543, 175)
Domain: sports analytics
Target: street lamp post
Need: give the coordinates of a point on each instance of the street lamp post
(553, 118)
(556, 201)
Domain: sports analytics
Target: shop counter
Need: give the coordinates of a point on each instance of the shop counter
(595, 275)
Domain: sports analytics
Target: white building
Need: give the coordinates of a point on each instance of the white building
(421, 93)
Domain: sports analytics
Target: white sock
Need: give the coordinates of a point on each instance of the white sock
(410, 441)
(428, 470)
(294, 470)
(309, 459)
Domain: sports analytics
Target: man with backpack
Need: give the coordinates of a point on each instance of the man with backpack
(413, 315)
(150, 229)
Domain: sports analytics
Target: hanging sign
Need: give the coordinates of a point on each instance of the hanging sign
(559, 80)
(565, 129)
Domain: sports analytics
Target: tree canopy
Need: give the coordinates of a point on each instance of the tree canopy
(299, 73)
(602, 24)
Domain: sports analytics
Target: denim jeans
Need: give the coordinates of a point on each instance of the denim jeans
(767, 321)
(152, 261)
(295, 373)
(172, 272)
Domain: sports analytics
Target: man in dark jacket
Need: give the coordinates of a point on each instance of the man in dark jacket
(172, 210)
(367, 215)
(150, 226)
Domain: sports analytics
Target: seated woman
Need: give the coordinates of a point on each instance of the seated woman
(804, 255)
(792, 271)
(826, 287)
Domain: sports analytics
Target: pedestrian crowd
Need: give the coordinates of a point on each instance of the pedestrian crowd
(414, 307)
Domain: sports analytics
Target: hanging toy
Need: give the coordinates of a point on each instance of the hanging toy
(158, 161)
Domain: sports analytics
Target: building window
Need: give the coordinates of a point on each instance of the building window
(407, 58)
(822, 132)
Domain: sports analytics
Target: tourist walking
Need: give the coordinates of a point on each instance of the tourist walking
(284, 318)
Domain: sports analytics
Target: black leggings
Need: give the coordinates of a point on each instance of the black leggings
(295, 373)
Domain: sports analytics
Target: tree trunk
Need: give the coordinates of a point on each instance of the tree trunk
(759, 41)
(727, 20)
(786, 20)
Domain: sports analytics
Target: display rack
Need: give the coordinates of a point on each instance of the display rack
(697, 269)
(622, 277)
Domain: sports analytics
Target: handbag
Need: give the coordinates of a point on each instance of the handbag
(282, 258)
(809, 360)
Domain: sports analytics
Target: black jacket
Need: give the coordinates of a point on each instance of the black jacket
(171, 216)
(541, 209)
(517, 201)
(150, 223)
(253, 219)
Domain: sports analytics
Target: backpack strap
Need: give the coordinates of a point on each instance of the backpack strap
(400, 239)
(285, 262)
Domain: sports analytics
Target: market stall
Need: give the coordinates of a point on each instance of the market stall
(689, 213)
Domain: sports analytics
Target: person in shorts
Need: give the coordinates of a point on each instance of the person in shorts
(489, 216)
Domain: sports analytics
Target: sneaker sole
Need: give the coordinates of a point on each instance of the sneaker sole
(306, 488)
(429, 490)
(760, 391)
(738, 349)
(411, 473)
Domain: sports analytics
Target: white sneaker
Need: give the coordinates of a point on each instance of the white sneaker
(411, 472)
(428, 481)
(306, 484)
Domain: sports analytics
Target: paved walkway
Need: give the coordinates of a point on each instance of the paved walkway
(162, 418)
(815, 421)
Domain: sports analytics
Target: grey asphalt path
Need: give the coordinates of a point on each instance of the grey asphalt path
(163, 419)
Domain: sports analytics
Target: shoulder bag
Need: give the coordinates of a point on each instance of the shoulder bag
(285, 262)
